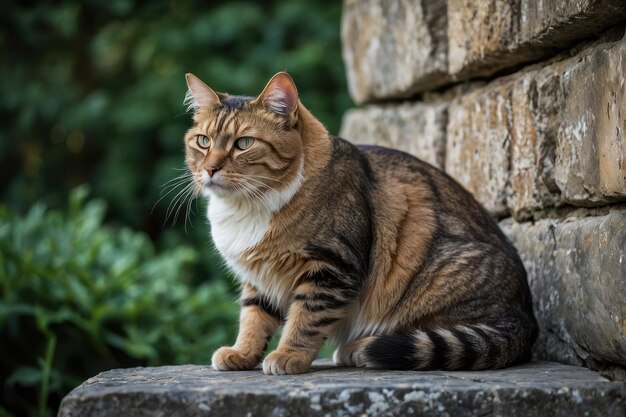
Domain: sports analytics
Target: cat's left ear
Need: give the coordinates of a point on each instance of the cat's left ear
(199, 94)
(280, 96)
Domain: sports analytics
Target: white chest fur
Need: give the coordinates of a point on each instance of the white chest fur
(237, 225)
(238, 228)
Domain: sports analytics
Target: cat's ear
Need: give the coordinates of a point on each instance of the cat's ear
(199, 94)
(280, 96)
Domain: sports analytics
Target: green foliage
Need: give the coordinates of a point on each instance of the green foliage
(79, 297)
(92, 94)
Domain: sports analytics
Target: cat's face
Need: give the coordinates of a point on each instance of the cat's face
(245, 147)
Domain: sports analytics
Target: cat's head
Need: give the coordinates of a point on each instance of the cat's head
(243, 147)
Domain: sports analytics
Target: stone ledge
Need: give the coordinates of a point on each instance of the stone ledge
(534, 389)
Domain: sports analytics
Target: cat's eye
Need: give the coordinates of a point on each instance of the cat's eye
(244, 142)
(203, 141)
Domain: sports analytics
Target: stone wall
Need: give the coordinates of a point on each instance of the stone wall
(524, 103)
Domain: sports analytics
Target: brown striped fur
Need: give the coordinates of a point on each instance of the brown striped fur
(371, 247)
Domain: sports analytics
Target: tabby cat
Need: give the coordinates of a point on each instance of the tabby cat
(381, 252)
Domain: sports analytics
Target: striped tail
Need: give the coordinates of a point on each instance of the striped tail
(456, 347)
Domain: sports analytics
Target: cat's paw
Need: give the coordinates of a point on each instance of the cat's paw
(230, 359)
(283, 363)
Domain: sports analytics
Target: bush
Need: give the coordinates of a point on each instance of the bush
(93, 90)
(78, 297)
(92, 94)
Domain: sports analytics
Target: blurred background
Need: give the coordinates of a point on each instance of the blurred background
(92, 277)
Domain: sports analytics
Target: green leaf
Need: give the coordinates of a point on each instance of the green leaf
(25, 376)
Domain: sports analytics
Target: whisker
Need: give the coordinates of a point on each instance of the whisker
(262, 183)
(257, 176)
(187, 196)
(254, 193)
(246, 195)
(264, 197)
(261, 197)
(176, 200)
(181, 205)
(268, 178)
(180, 178)
(172, 187)
(258, 182)
(250, 194)
(192, 197)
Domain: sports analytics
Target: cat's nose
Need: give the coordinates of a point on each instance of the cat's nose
(211, 169)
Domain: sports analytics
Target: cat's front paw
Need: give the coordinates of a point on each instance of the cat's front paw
(231, 359)
(283, 363)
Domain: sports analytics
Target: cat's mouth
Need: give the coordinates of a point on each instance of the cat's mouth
(215, 185)
(211, 181)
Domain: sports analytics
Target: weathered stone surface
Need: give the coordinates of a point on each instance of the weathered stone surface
(591, 143)
(501, 141)
(478, 142)
(536, 389)
(416, 128)
(486, 36)
(577, 275)
(567, 139)
(545, 136)
(393, 49)
(534, 127)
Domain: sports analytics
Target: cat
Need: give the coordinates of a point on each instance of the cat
(388, 256)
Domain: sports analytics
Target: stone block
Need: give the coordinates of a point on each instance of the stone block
(478, 142)
(534, 127)
(591, 143)
(577, 275)
(486, 36)
(416, 128)
(501, 142)
(498, 149)
(545, 136)
(534, 389)
(394, 49)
